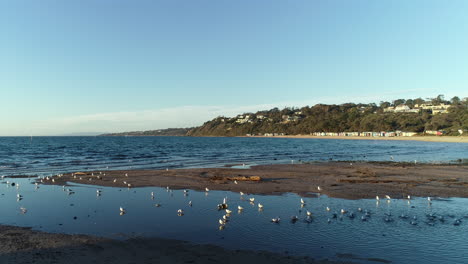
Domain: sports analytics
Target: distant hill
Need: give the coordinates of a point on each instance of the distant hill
(159, 132)
(80, 134)
(408, 115)
(411, 115)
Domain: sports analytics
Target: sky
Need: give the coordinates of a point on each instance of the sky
(125, 65)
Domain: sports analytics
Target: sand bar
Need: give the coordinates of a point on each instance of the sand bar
(337, 179)
(23, 245)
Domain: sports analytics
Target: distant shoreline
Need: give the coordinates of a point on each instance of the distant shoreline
(452, 139)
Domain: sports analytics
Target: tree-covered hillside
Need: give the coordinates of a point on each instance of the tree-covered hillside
(348, 117)
(159, 132)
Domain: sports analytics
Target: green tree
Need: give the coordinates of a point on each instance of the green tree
(455, 100)
(398, 102)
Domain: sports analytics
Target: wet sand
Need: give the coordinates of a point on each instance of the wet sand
(23, 245)
(337, 179)
(453, 139)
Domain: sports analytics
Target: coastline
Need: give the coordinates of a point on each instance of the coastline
(24, 245)
(357, 180)
(448, 139)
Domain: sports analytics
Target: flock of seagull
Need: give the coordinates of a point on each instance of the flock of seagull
(364, 215)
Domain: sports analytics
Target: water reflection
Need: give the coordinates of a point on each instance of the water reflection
(403, 231)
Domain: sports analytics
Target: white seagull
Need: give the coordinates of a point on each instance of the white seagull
(276, 220)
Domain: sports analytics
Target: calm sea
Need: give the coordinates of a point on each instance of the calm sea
(47, 155)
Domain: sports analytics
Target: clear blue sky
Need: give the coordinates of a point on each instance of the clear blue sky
(114, 65)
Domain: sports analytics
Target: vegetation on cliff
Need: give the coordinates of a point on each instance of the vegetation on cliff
(159, 132)
(344, 117)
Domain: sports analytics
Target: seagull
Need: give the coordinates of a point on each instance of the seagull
(241, 193)
(122, 210)
(260, 206)
(221, 222)
(252, 199)
(23, 210)
(240, 208)
(235, 182)
(409, 197)
(328, 209)
(318, 188)
(387, 196)
(308, 213)
(377, 198)
(190, 203)
(157, 205)
(152, 194)
(343, 211)
(302, 201)
(115, 180)
(126, 174)
(276, 220)
(180, 212)
(228, 211)
(206, 189)
(19, 196)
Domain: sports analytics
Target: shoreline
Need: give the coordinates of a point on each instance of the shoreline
(24, 245)
(357, 180)
(447, 139)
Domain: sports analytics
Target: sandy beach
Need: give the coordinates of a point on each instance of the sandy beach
(336, 179)
(452, 139)
(23, 245)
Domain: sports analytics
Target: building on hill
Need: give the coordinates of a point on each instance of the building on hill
(435, 109)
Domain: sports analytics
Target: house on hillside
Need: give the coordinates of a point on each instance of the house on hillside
(435, 109)
(400, 109)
